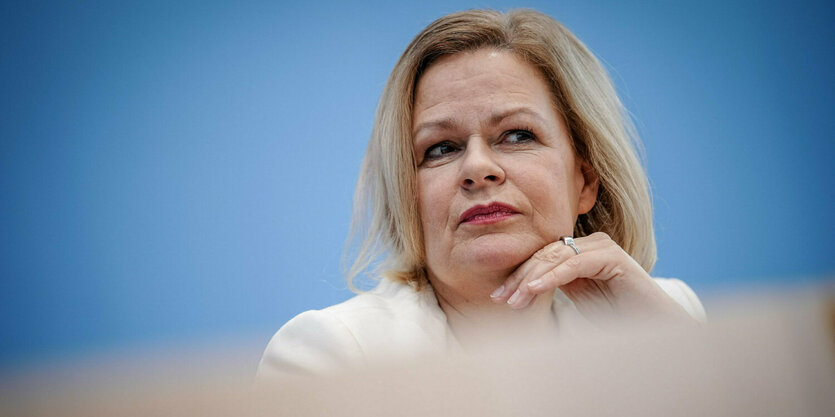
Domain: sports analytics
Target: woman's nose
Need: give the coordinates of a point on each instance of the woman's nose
(479, 166)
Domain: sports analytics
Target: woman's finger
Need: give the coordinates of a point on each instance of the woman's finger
(541, 261)
(515, 290)
(544, 261)
(600, 265)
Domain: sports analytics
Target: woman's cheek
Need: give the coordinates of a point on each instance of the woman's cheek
(433, 209)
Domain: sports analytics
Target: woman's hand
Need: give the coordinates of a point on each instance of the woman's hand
(603, 281)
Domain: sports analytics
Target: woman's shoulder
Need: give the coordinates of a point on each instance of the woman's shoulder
(393, 317)
(388, 296)
(312, 342)
(684, 295)
(388, 304)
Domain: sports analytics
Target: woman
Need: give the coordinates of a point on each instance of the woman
(498, 138)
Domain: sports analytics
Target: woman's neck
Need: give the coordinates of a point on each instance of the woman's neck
(479, 322)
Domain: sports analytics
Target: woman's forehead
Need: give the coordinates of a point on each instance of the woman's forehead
(484, 81)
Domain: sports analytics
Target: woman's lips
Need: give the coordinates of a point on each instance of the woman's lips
(487, 214)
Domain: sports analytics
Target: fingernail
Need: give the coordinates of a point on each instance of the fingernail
(498, 292)
(535, 284)
(514, 297)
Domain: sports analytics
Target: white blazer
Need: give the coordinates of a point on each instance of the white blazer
(394, 320)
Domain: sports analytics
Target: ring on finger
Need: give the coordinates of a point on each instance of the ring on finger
(569, 241)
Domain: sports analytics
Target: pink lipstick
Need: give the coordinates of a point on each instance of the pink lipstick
(488, 214)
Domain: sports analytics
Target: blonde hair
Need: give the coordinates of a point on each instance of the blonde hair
(386, 219)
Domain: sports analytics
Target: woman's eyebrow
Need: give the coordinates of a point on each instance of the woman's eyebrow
(442, 124)
(497, 118)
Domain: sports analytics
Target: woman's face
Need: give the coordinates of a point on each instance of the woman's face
(497, 176)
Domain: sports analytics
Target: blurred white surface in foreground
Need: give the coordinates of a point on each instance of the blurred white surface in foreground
(764, 355)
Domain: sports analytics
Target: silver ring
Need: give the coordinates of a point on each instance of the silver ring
(569, 241)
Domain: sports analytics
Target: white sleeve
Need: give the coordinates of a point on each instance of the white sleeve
(314, 342)
(684, 295)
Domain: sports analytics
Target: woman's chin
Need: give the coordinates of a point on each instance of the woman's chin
(497, 257)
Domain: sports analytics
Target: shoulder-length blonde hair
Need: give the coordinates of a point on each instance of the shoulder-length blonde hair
(386, 222)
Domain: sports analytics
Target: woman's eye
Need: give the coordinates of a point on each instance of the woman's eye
(440, 150)
(519, 136)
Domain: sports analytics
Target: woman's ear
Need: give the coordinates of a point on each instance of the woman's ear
(588, 193)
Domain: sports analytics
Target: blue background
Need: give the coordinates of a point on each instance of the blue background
(183, 171)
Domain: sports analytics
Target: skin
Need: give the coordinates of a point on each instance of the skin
(486, 130)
